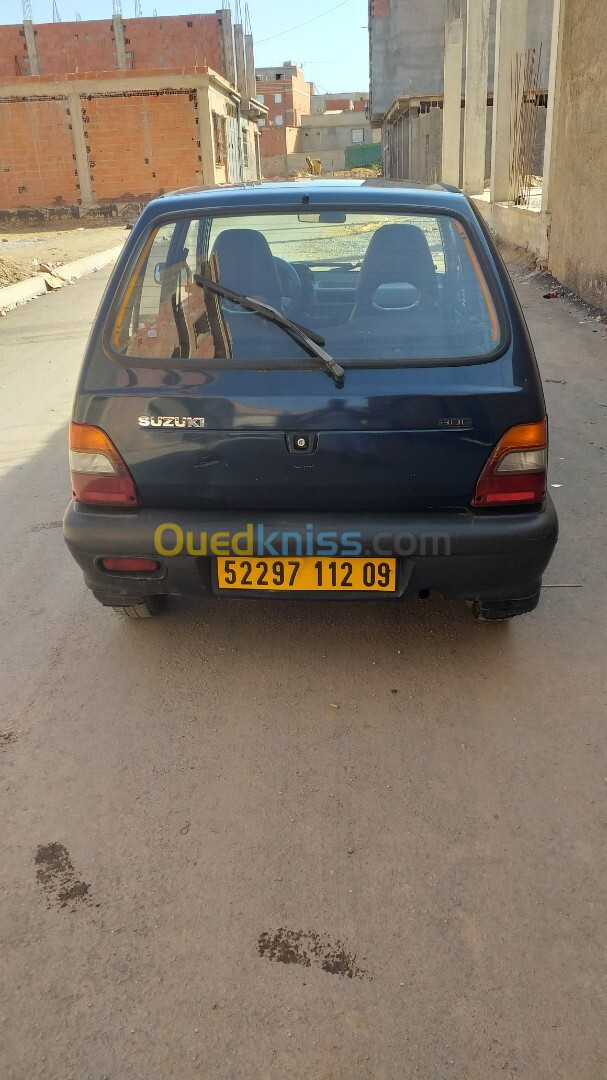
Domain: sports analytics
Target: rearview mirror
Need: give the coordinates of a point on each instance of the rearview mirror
(324, 217)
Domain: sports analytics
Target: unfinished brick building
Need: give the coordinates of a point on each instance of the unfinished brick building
(98, 116)
(286, 94)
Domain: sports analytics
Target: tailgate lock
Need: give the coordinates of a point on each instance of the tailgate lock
(302, 442)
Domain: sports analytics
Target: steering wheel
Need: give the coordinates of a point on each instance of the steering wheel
(290, 282)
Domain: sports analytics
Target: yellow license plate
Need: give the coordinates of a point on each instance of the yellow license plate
(308, 574)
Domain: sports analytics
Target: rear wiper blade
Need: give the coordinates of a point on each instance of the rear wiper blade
(309, 339)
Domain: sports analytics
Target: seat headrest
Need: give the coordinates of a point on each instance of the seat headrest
(246, 265)
(396, 253)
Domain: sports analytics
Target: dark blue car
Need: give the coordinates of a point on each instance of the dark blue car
(316, 388)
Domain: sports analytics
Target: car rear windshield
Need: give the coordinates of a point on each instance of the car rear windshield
(378, 288)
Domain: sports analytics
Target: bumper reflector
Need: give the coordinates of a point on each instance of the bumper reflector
(141, 566)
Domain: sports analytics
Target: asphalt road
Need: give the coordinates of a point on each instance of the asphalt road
(183, 807)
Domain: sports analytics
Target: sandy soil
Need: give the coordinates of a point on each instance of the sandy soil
(19, 249)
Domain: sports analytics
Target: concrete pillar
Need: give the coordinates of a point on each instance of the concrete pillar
(205, 134)
(554, 94)
(30, 46)
(79, 140)
(250, 65)
(452, 103)
(475, 116)
(413, 172)
(435, 132)
(118, 25)
(241, 64)
(229, 64)
(405, 126)
(510, 39)
(424, 147)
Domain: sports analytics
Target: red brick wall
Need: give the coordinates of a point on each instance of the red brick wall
(166, 42)
(295, 102)
(344, 104)
(141, 144)
(272, 141)
(36, 163)
(12, 48)
(282, 108)
(175, 41)
(75, 46)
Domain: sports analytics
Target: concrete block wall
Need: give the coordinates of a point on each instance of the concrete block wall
(407, 46)
(578, 176)
(334, 131)
(427, 166)
(283, 165)
(395, 148)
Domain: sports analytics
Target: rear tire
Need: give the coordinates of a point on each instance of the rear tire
(149, 606)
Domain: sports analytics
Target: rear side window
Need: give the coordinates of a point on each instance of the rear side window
(394, 289)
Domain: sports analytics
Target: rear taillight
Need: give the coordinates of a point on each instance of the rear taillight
(99, 474)
(516, 470)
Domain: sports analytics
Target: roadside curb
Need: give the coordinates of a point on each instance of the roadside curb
(21, 292)
(11, 296)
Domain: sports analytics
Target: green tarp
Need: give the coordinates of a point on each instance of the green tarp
(364, 155)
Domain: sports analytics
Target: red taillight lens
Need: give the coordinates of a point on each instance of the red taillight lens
(141, 566)
(516, 470)
(99, 474)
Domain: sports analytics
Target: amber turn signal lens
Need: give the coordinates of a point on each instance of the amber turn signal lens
(515, 472)
(99, 474)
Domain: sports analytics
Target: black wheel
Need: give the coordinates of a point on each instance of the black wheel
(149, 606)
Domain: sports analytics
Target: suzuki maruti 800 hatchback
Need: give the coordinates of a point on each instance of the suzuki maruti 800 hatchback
(310, 389)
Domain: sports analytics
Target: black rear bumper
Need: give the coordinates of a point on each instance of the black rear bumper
(476, 556)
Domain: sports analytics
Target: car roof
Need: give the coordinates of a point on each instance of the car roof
(308, 191)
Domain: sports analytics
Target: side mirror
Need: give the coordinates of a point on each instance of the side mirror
(162, 268)
(396, 295)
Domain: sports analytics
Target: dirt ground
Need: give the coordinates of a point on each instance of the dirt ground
(210, 871)
(21, 250)
(360, 173)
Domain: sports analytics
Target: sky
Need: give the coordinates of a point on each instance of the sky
(333, 48)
